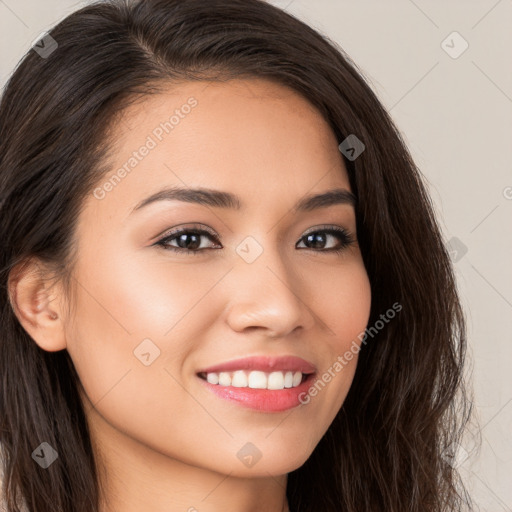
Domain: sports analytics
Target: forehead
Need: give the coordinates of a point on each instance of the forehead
(253, 137)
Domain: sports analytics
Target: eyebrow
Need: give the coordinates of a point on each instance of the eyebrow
(221, 199)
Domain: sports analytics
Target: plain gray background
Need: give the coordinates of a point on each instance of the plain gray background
(453, 106)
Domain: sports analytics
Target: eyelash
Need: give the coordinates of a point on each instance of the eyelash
(343, 235)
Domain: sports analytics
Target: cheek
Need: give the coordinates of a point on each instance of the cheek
(344, 304)
(140, 297)
(123, 313)
(130, 306)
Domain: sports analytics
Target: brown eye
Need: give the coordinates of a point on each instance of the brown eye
(186, 240)
(190, 240)
(320, 237)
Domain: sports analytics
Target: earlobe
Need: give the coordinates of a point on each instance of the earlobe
(36, 305)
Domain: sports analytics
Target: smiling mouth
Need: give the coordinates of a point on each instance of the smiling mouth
(256, 379)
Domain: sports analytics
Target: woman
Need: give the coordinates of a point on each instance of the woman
(223, 283)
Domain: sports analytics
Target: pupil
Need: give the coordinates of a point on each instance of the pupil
(319, 238)
(182, 241)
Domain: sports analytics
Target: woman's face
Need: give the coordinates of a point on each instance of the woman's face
(245, 282)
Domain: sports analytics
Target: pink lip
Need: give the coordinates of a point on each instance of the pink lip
(263, 400)
(264, 364)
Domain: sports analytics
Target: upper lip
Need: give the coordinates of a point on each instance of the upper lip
(264, 364)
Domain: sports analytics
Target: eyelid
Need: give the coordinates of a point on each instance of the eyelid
(201, 227)
(187, 227)
(322, 227)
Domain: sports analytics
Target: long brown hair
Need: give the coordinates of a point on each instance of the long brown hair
(408, 403)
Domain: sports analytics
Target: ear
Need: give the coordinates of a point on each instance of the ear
(37, 305)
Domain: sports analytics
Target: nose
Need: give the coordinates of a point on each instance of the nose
(268, 295)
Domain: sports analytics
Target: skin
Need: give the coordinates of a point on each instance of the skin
(167, 443)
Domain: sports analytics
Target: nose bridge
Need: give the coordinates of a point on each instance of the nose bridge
(261, 262)
(267, 292)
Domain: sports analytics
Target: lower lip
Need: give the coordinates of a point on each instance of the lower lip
(264, 400)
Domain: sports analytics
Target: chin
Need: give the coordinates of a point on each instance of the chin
(280, 461)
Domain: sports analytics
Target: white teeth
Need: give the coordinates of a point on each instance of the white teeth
(212, 378)
(256, 379)
(239, 379)
(276, 380)
(224, 379)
